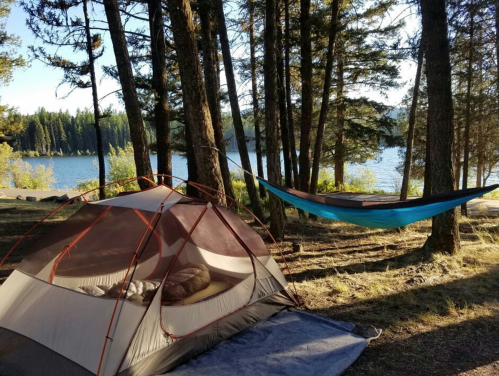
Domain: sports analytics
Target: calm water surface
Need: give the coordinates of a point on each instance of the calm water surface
(69, 170)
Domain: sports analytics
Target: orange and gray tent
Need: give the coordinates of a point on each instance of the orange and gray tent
(135, 285)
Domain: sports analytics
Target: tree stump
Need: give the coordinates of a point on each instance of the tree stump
(297, 246)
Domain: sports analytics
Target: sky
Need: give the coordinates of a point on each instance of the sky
(37, 85)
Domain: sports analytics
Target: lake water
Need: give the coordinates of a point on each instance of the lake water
(69, 170)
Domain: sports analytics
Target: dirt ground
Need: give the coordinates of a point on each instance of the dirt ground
(439, 314)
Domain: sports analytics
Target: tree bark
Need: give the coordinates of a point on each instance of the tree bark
(236, 113)
(467, 125)
(339, 147)
(160, 86)
(95, 99)
(132, 107)
(289, 106)
(480, 131)
(197, 112)
(445, 232)
(412, 126)
(192, 170)
(254, 96)
(427, 166)
(457, 158)
(497, 45)
(333, 28)
(271, 108)
(306, 94)
(283, 115)
(210, 65)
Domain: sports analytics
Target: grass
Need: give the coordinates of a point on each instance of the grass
(439, 313)
(15, 222)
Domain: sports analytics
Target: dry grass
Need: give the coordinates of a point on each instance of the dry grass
(439, 314)
(16, 221)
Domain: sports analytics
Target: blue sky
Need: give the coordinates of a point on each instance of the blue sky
(36, 85)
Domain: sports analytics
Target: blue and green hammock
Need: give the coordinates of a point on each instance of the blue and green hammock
(375, 214)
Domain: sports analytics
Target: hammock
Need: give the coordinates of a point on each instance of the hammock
(376, 214)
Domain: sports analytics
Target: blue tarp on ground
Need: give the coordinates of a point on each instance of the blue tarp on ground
(291, 343)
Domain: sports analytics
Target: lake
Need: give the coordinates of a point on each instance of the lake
(71, 169)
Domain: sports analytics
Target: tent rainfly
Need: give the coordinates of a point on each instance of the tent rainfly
(135, 285)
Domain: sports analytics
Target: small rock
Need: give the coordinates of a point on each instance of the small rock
(20, 198)
(366, 331)
(416, 280)
(50, 199)
(30, 198)
(63, 198)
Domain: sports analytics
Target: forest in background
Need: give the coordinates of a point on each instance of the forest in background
(59, 133)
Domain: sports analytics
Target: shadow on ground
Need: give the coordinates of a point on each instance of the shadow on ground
(443, 350)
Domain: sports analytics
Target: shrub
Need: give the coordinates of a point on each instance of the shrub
(122, 166)
(325, 183)
(31, 153)
(89, 184)
(25, 176)
(5, 157)
(240, 192)
(363, 181)
(237, 175)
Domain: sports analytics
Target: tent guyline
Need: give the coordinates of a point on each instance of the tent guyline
(231, 274)
(374, 214)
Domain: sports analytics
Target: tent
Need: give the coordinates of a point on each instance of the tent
(135, 285)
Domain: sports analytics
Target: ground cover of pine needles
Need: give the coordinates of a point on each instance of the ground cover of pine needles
(439, 314)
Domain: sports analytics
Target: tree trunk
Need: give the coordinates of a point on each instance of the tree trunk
(160, 86)
(210, 65)
(254, 95)
(427, 166)
(445, 232)
(325, 96)
(457, 158)
(192, 170)
(132, 107)
(480, 131)
(95, 99)
(197, 112)
(467, 125)
(289, 106)
(306, 94)
(283, 115)
(271, 108)
(497, 46)
(236, 113)
(412, 126)
(339, 147)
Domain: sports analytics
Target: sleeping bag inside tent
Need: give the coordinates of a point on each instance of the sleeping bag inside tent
(135, 285)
